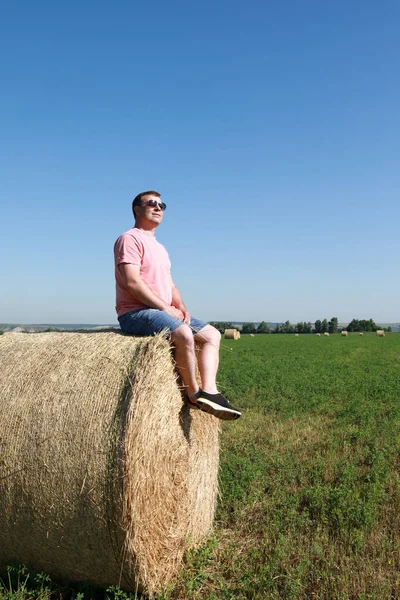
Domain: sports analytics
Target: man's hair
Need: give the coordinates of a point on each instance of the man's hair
(138, 199)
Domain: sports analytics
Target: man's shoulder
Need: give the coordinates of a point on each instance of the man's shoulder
(131, 234)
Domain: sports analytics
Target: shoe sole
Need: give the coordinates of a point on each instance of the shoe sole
(192, 404)
(225, 414)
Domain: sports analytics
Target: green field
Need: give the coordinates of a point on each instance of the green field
(310, 489)
(309, 479)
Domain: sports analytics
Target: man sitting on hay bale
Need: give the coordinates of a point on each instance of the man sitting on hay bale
(149, 302)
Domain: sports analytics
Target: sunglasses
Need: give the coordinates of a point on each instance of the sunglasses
(153, 204)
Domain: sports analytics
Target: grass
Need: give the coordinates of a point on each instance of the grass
(309, 478)
(310, 474)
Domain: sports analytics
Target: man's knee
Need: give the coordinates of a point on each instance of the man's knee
(209, 334)
(215, 334)
(182, 335)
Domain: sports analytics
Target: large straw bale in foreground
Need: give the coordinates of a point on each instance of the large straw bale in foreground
(105, 475)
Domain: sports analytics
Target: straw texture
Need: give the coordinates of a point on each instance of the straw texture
(105, 475)
(380, 332)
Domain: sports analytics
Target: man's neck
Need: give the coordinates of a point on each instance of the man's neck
(148, 229)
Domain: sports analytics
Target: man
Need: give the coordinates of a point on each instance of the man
(148, 302)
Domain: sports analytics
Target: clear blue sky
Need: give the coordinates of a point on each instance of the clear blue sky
(271, 129)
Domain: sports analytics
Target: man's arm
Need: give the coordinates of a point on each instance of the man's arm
(178, 303)
(138, 288)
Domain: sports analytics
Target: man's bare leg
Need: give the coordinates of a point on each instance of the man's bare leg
(185, 357)
(208, 357)
(210, 400)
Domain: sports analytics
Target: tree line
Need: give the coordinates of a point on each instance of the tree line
(320, 326)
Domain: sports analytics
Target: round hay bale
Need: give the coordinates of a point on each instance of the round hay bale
(105, 474)
(326, 334)
(251, 334)
(231, 334)
(318, 334)
(361, 333)
(380, 332)
(296, 335)
(344, 333)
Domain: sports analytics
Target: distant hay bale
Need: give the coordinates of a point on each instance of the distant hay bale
(296, 335)
(380, 332)
(361, 333)
(318, 334)
(105, 474)
(231, 334)
(252, 335)
(344, 333)
(326, 334)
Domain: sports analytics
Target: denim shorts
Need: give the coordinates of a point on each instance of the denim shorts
(149, 321)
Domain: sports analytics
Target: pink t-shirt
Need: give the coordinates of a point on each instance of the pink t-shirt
(136, 247)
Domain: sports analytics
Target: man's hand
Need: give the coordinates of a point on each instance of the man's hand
(177, 302)
(174, 312)
(186, 316)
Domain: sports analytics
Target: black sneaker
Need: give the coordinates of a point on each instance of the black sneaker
(216, 405)
(192, 403)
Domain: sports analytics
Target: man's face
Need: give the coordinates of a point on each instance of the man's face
(154, 214)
